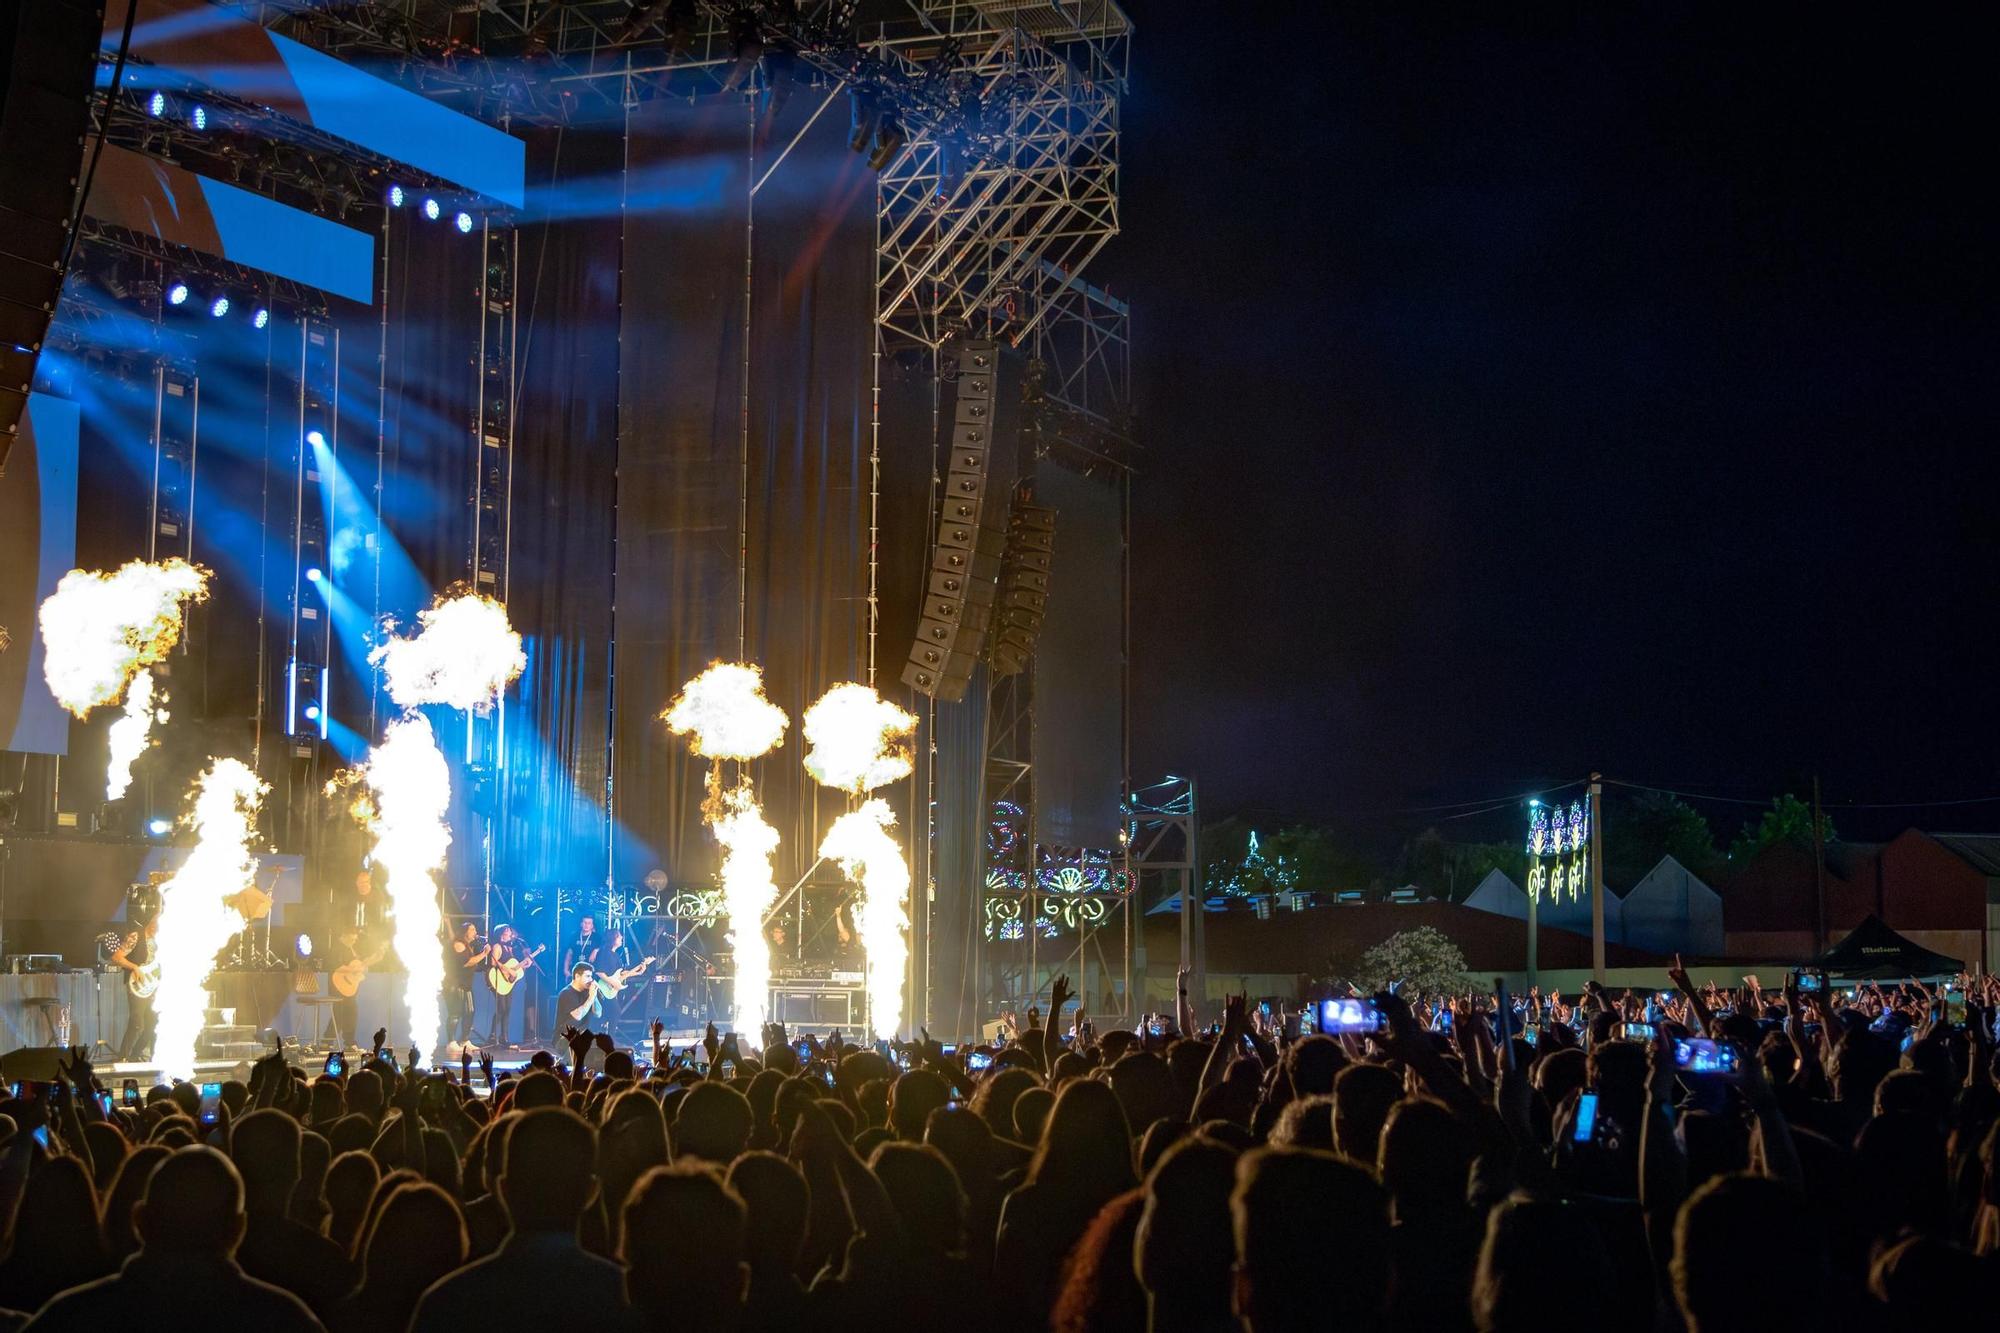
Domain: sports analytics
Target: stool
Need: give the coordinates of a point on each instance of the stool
(321, 1014)
(48, 1004)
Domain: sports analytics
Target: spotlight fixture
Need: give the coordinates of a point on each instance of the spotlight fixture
(395, 201)
(156, 105)
(303, 945)
(431, 209)
(316, 439)
(312, 712)
(313, 574)
(198, 117)
(746, 45)
(888, 138)
(219, 307)
(464, 221)
(864, 114)
(177, 294)
(159, 827)
(261, 318)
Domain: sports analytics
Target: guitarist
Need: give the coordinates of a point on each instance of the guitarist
(346, 953)
(134, 953)
(504, 945)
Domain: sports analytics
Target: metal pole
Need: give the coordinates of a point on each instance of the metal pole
(1534, 902)
(1597, 878)
(1819, 876)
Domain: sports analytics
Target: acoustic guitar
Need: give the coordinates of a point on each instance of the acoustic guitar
(346, 978)
(503, 977)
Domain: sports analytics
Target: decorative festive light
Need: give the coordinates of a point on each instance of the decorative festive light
(860, 841)
(1558, 851)
(725, 715)
(197, 908)
(856, 740)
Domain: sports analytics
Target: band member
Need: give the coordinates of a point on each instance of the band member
(504, 945)
(464, 957)
(364, 906)
(133, 954)
(346, 949)
(581, 1003)
(616, 954)
(585, 948)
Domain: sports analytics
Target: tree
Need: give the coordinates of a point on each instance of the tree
(1639, 832)
(1453, 869)
(1424, 961)
(1788, 820)
(1244, 862)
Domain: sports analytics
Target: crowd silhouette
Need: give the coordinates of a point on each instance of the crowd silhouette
(1700, 1158)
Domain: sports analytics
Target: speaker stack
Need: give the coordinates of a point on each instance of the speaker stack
(48, 54)
(959, 599)
(1024, 587)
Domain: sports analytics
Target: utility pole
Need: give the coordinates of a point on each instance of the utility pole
(1597, 877)
(1534, 894)
(1819, 876)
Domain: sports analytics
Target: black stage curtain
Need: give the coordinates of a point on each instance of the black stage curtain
(554, 829)
(1079, 723)
(682, 494)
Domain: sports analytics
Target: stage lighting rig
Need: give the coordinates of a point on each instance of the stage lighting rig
(888, 138)
(746, 48)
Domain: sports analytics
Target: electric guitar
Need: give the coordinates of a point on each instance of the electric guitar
(503, 977)
(610, 983)
(346, 978)
(145, 981)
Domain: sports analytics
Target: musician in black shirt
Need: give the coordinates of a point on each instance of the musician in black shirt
(464, 957)
(135, 955)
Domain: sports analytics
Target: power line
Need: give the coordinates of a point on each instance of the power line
(1825, 805)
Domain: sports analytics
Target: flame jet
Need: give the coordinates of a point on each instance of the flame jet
(724, 715)
(463, 656)
(860, 741)
(100, 633)
(198, 912)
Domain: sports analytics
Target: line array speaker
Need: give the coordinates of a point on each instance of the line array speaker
(48, 54)
(1024, 587)
(959, 599)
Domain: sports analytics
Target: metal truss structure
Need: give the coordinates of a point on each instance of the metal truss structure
(1163, 859)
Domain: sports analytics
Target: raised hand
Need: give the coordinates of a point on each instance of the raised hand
(486, 1067)
(710, 1040)
(659, 1030)
(604, 1043)
(381, 1040)
(1058, 997)
(578, 1042)
(416, 1058)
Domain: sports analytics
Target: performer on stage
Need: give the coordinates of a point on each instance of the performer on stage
(581, 1003)
(135, 954)
(616, 954)
(585, 948)
(464, 957)
(504, 946)
(346, 952)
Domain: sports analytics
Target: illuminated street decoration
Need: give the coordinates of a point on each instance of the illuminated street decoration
(1558, 851)
(1070, 895)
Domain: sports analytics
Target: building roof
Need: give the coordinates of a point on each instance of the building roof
(1981, 851)
(1315, 941)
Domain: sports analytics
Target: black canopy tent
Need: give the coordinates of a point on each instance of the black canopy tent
(1873, 952)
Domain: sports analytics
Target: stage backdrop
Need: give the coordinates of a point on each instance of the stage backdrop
(743, 464)
(37, 547)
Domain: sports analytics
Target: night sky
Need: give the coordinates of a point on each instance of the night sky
(1526, 391)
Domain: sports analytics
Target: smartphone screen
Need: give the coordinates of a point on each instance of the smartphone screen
(1638, 1031)
(978, 1061)
(211, 1101)
(131, 1092)
(1698, 1055)
(1349, 1014)
(1586, 1117)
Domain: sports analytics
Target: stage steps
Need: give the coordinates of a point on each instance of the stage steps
(223, 1038)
